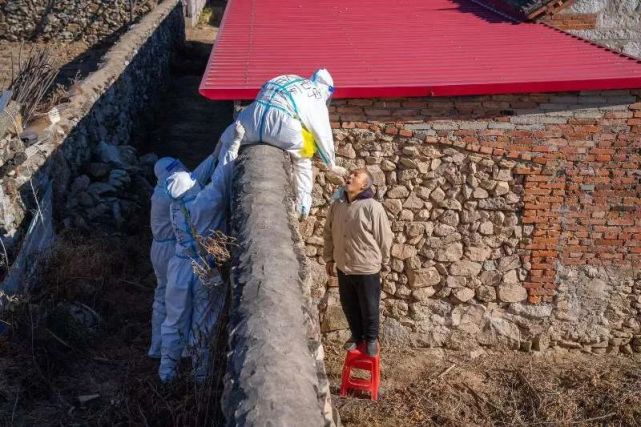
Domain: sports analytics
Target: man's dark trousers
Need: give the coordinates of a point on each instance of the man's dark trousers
(360, 296)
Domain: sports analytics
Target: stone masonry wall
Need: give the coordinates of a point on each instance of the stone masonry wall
(517, 218)
(612, 23)
(97, 176)
(66, 20)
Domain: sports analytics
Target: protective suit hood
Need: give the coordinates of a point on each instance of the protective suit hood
(166, 166)
(324, 80)
(179, 184)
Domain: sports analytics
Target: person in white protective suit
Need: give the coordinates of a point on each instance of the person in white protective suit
(193, 307)
(164, 242)
(291, 113)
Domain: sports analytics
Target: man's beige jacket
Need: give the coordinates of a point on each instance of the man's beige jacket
(357, 236)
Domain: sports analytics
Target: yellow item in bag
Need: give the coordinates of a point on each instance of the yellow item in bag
(309, 145)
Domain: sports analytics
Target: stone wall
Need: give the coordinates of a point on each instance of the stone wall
(275, 375)
(612, 23)
(66, 20)
(97, 176)
(498, 204)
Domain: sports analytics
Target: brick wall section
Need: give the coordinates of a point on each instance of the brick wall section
(573, 21)
(577, 152)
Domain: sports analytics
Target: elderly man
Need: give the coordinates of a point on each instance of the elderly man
(357, 242)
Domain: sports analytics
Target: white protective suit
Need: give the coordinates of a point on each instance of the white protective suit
(193, 307)
(290, 112)
(164, 242)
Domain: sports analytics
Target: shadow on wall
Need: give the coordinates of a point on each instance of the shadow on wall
(96, 176)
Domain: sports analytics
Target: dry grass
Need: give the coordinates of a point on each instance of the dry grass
(498, 389)
(214, 247)
(54, 355)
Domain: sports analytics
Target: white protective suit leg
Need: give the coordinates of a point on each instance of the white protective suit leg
(178, 303)
(209, 301)
(161, 254)
(303, 175)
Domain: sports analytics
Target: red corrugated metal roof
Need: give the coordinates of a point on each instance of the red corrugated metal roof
(383, 48)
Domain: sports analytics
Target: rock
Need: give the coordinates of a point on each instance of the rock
(408, 163)
(101, 188)
(306, 227)
(393, 333)
(119, 178)
(455, 282)
(486, 293)
(80, 184)
(498, 330)
(334, 319)
(512, 293)
(393, 206)
(509, 263)
(406, 215)
(510, 278)
(477, 253)
(396, 309)
(502, 175)
(402, 251)
(84, 199)
(98, 170)
(437, 195)
(491, 278)
(480, 193)
(501, 188)
(423, 277)
(442, 230)
(451, 204)
(387, 165)
(377, 174)
(415, 229)
(413, 202)
(463, 294)
(465, 268)
(397, 192)
(450, 218)
(541, 342)
(539, 311)
(452, 252)
(422, 294)
(486, 228)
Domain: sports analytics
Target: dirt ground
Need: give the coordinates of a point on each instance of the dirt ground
(74, 351)
(423, 387)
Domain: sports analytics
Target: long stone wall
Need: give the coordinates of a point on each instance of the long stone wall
(517, 218)
(87, 154)
(275, 374)
(66, 20)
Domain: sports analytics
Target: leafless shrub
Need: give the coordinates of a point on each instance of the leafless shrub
(33, 77)
(216, 247)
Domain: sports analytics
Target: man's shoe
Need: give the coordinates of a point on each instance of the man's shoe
(372, 348)
(350, 344)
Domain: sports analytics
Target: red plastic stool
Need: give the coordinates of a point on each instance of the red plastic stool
(358, 359)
